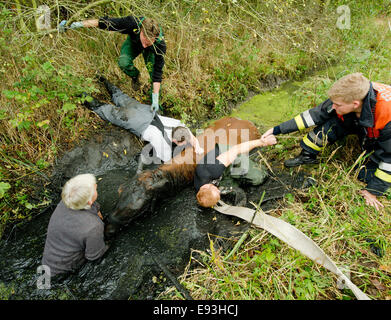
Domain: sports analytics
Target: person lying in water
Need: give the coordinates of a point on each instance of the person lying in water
(211, 168)
(76, 229)
(139, 196)
(145, 123)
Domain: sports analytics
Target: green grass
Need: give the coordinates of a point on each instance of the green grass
(218, 52)
(335, 217)
(332, 213)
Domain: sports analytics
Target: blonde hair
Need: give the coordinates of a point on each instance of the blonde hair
(206, 198)
(78, 191)
(150, 28)
(349, 88)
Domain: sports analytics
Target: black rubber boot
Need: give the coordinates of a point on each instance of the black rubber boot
(112, 89)
(93, 104)
(304, 157)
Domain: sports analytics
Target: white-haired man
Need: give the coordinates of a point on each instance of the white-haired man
(75, 231)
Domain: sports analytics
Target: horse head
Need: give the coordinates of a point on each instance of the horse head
(135, 198)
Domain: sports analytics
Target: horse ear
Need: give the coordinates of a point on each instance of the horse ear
(120, 189)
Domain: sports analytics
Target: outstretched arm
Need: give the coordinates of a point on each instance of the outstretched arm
(124, 25)
(306, 119)
(229, 156)
(93, 23)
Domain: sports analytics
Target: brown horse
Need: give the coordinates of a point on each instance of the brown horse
(138, 197)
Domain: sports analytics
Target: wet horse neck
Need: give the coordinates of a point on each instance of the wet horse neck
(168, 178)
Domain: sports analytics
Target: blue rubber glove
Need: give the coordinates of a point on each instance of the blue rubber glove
(74, 25)
(155, 102)
(61, 26)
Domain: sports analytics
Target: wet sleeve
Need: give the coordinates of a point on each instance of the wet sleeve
(276, 130)
(206, 173)
(124, 25)
(95, 245)
(311, 117)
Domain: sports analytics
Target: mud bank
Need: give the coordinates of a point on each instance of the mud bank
(168, 233)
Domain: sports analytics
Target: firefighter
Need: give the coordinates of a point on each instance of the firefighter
(355, 106)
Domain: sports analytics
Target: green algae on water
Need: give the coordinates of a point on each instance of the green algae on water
(270, 108)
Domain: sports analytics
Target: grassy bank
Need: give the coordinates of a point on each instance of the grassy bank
(333, 214)
(218, 51)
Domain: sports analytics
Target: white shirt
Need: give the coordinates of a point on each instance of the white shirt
(155, 137)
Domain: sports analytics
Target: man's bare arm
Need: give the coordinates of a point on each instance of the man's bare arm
(229, 156)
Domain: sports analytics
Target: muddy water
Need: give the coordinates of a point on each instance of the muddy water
(128, 270)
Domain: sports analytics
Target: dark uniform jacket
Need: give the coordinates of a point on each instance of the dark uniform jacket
(131, 26)
(375, 123)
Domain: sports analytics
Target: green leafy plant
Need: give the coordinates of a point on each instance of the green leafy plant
(4, 186)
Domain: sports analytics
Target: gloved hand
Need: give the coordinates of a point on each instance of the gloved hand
(61, 26)
(155, 102)
(74, 25)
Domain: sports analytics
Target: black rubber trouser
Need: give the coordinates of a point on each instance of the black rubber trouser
(112, 89)
(333, 130)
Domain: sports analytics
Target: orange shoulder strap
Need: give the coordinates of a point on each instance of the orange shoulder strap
(383, 105)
